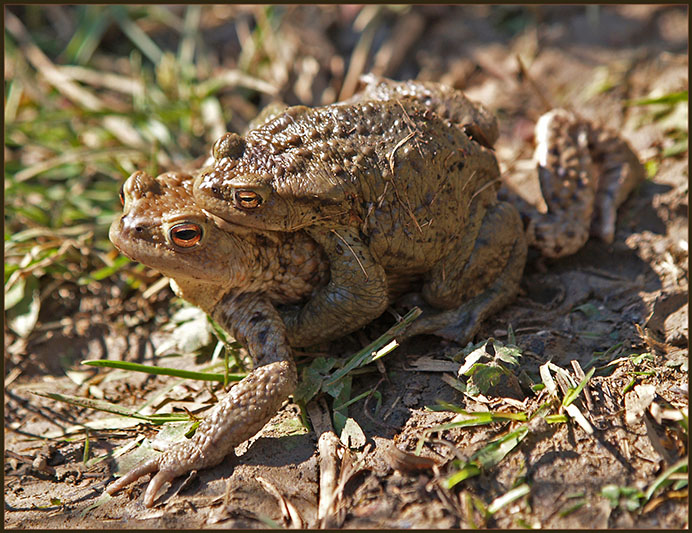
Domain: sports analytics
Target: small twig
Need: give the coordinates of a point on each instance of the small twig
(327, 445)
(288, 510)
(354, 253)
(390, 157)
(547, 105)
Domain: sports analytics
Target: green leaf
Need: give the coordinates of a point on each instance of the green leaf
(508, 354)
(191, 331)
(488, 456)
(628, 497)
(313, 378)
(670, 98)
(333, 388)
(15, 293)
(165, 371)
(23, 316)
(651, 167)
(638, 359)
(483, 377)
(572, 394)
(663, 478)
(339, 422)
(590, 311)
(310, 384)
(612, 494)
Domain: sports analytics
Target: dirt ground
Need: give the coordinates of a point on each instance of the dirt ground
(629, 297)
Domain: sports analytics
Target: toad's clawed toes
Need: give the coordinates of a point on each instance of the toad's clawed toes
(133, 475)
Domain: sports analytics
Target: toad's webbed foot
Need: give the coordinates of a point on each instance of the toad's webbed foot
(585, 172)
(249, 405)
(238, 416)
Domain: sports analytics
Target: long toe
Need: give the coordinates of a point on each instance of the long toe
(152, 465)
(161, 478)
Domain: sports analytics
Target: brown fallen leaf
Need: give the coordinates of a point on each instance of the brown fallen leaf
(405, 461)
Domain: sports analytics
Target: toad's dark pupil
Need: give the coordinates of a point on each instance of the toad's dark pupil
(186, 234)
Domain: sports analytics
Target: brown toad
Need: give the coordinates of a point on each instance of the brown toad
(450, 238)
(236, 277)
(270, 179)
(393, 181)
(243, 278)
(391, 191)
(403, 174)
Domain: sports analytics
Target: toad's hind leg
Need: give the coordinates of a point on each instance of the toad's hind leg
(485, 283)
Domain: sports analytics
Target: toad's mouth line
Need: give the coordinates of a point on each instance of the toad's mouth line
(224, 224)
(238, 229)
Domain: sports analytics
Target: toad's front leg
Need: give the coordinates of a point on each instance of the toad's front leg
(355, 295)
(244, 410)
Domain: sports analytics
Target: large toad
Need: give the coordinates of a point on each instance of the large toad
(340, 209)
(389, 183)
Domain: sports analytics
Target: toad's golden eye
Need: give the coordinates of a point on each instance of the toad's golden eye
(247, 199)
(186, 234)
(121, 194)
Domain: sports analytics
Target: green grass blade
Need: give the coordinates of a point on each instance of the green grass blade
(670, 98)
(133, 32)
(660, 480)
(488, 456)
(467, 471)
(93, 24)
(370, 351)
(508, 497)
(166, 371)
(572, 394)
(494, 452)
(108, 407)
